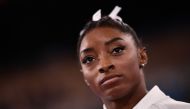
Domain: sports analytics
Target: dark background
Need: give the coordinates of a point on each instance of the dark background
(38, 60)
(28, 27)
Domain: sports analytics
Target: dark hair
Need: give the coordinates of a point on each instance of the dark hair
(106, 21)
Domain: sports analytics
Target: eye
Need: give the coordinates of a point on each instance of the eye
(88, 59)
(118, 50)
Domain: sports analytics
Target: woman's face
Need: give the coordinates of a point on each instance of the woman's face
(110, 62)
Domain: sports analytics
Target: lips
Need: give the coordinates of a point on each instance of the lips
(109, 79)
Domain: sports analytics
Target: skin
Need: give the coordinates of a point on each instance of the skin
(107, 53)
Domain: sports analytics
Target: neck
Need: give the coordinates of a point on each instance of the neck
(128, 101)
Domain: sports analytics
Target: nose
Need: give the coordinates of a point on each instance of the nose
(106, 69)
(105, 66)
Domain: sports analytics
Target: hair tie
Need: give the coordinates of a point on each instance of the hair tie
(97, 16)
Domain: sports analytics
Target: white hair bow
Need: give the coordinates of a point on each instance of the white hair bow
(97, 16)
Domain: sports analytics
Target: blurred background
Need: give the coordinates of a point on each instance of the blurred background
(38, 61)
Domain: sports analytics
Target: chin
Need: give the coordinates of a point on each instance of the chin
(114, 93)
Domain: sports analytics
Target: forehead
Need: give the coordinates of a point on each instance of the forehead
(101, 35)
(104, 32)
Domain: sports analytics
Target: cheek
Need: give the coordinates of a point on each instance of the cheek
(129, 65)
(91, 77)
(88, 74)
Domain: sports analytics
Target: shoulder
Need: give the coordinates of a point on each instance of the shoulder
(156, 99)
(170, 104)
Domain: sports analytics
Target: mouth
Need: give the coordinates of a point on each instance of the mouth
(108, 80)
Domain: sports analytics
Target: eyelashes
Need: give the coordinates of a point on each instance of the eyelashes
(115, 51)
(118, 50)
(88, 59)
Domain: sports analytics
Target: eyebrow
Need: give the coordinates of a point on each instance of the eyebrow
(113, 40)
(106, 43)
(86, 50)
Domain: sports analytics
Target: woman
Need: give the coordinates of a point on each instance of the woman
(112, 59)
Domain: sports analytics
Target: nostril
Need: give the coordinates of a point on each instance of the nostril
(101, 70)
(111, 67)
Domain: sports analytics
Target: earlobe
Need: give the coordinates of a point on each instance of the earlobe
(143, 58)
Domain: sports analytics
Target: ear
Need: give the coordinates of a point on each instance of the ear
(143, 58)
